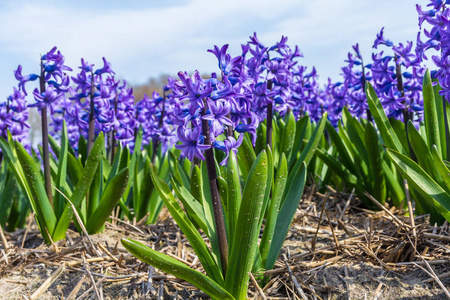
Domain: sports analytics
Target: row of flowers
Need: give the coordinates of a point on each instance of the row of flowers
(237, 99)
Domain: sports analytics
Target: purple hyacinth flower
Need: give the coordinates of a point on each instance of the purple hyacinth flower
(85, 66)
(281, 45)
(404, 55)
(356, 49)
(421, 47)
(46, 99)
(170, 84)
(5, 119)
(250, 128)
(261, 94)
(381, 40)
(223, 90)
(196, 90)
(217, 114)
(230, 144)
(106, 68)
(445, 85)
(54, 64)
(226, 63)
(278, 72)
(191, 143)
(24, 79)
(254, 41)
(437, 4)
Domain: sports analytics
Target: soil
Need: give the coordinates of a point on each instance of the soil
(342, 252)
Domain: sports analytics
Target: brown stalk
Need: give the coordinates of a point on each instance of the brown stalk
(46, 153)
(215, 196)
(91, 130)
(269, 117)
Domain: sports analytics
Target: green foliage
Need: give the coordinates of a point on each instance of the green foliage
(88, 182)
(426, 171)
(262, 186)
(360, 161)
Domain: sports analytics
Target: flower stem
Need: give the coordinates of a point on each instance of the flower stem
(113, 134)
(46, 154)
(269, 118)
(447, 133)
(91, 130)
(406, 115)
(368, 113)
(160, 125)
(215, 196)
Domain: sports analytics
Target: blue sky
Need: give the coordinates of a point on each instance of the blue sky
(144, 39)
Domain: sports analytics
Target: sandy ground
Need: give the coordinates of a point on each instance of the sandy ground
(353, 254)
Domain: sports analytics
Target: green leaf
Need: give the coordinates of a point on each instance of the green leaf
(260, 143)
(245, 240)
(115, 164)
(424, 157)
(176, 268)
(62, 171)
(356, 133)
(178, 172)
(206, 202)
(308, 151)
(132, 162)
(387, 133)
(270, 171)
(145, 191)
(337, 167)
(81, 189)
(136, 187)
(422, 182)
(209, 264)
(395, 189)
(274, 208)
(95, 191)
(303, 130)
(197, 184)
(439, 102)
(360, 164)
(430, 113)
(246, 156)
(44, 210)
(287, 142)
(191, 205)
(82, 149)
(234, 195)
(9, 154)
(7, 198)
(441, 168)
(108, 202)
(378, 188)
(400, 130)
(344, 155)
(223, 192)
(156, 202)
(292, 194)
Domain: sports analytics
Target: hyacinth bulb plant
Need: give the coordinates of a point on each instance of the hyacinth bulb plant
(13, 122)
(72, 177)
(435, 39)
(53, 83)
(214, 120)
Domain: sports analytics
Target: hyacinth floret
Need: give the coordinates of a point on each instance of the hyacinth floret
(47, 98)
(191, 143)
(24, 79)
(438, 38)
(381, 40)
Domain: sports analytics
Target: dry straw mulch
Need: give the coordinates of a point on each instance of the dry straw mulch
(335, 249)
